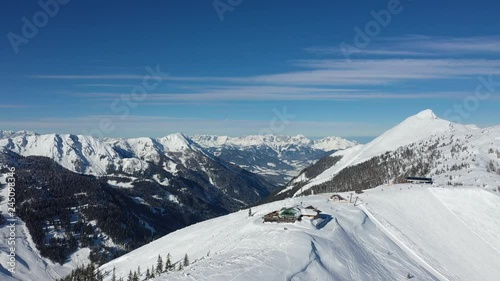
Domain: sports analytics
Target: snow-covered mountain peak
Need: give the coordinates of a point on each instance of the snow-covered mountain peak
(177, 142)
(210, 140)
(277, 142)
(427, 114)
(425, 125)
(83, 154)
(333, 143)
(11, 134)
(300, 138)
(147, 149)
(414, 128)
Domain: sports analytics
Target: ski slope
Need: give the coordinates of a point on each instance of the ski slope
(455, 231)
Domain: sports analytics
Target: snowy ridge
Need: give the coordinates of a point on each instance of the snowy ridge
(342, 245)
(90, 155)
(422, 126)
(418, 127)
(429, 233)
(11, 134)
(276, 142)
(332, 143)
(82, 154)
(279, 157)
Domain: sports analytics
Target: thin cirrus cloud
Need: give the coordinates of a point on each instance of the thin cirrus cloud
(418, 45)
(14, 106)
(272, 94)
(107, 85)
(475, 45)
(333, 72)
(392, 61)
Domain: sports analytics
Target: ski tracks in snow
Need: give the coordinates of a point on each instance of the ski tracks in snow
(403, 242)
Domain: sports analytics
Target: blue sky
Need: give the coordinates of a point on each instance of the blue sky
(245, 67)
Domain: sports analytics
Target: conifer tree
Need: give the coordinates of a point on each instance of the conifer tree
(168, 263)
(186, 260)
(159, 265)
(99, 275)
(130, 276)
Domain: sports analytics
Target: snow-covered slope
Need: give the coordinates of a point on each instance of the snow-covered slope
(429, 233)
(421, 129)
(82, 154)
(172, 156)
(11, 134)
(278, 158)
(29, 264)
(162, 184)
(453, 230)
(418, 127)
(90, 155)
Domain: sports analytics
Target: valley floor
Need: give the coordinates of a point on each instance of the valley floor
(397, 231)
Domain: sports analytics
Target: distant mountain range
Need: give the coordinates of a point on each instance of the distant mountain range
(82, 188)
(278, 158)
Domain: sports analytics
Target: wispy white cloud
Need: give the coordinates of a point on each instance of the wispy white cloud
(89, 77)
(106, 85)
(475, 45)
(368, 51)
(338, 72)
(420, 45)
(266, 93)
(380, 71)
(14, 106)
(393, 61)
